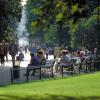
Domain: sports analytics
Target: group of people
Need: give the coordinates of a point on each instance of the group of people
(12, 49)
(38, 55)
(79, 56)
(65, 57)
(5, 48)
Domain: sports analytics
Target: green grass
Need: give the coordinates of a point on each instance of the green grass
(83, 87)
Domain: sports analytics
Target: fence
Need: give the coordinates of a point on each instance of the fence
(10, 75)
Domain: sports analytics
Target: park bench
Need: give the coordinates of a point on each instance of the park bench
(83, 67)
(72, 67)
(42, 68)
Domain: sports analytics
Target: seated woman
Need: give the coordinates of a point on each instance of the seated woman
(64, 59)
(77, 57)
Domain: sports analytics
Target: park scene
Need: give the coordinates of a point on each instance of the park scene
(49, 50)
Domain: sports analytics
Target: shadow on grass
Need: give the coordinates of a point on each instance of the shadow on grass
(46, 97)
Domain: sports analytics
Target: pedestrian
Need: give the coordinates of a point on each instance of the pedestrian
(21, 56)
(33, 49)
(96, 59)
(13, 51)
(26, 49)
(2, 53)
(5, 50)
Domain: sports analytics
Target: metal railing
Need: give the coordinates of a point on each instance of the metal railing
(11, 75)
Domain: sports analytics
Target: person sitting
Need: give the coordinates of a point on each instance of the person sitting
(35, 61)
(41, 55)
(64, 59)
(77, 57)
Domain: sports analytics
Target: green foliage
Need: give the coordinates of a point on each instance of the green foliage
(10, 14)
(36, 11)
(74, 8)
(9, 34)
(91, 21)
(85, 36)
(34, 24)
(76, 21)
(49, 37)
(59, 17)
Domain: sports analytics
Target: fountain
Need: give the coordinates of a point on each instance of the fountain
(21, 30)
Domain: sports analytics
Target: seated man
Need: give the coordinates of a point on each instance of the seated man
(35, 61)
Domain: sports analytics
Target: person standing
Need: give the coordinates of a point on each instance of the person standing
(96, 59)
(13, 51)
(5, 49)
(26, 49)
(2, 53)
(21, 56)
(33, 49)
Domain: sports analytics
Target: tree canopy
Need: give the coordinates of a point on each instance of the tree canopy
(71, 22)
(10, 14)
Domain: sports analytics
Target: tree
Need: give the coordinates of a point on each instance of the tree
(86, 33)
(74, 20)
(10, 13)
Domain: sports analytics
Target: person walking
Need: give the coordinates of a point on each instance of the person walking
(13, 51)
(21, 56)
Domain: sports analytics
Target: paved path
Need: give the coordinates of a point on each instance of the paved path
(23, 63)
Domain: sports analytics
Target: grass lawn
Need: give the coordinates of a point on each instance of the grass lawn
(83, 87)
